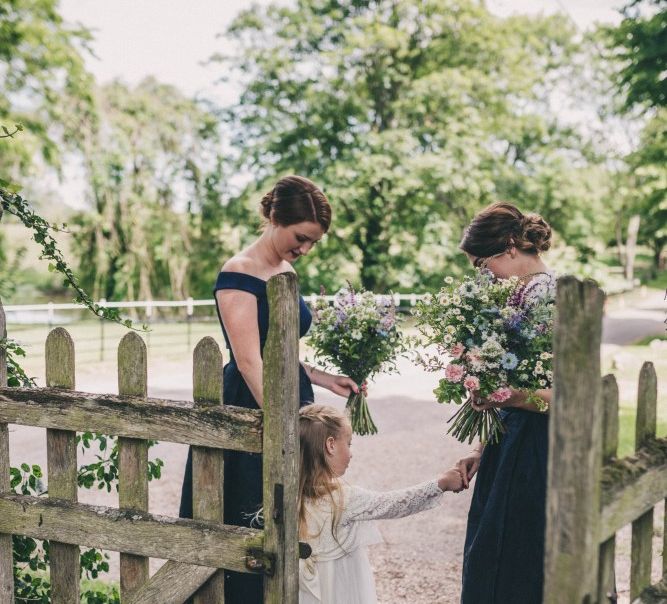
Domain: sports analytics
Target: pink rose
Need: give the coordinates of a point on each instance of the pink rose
(457, 350)
(500, 395)
(454, 373)
(471, 382)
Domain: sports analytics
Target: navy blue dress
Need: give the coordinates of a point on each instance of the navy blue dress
(504, 547)
(243, 471)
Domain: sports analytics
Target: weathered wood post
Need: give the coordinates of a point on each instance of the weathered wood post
(132, 457)
(62, 468)
(610, 426)
(6, 561)
(642, 527)
(207, 463)
(575, 440)
(281, 440)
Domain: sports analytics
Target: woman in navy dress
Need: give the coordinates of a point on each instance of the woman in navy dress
(504, 547)
(297, 215)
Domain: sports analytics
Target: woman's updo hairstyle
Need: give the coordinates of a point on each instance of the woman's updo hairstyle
(296, 199)
(501, 226)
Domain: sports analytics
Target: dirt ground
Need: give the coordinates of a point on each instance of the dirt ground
(420, 559)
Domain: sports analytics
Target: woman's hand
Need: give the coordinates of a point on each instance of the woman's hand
(518, 399)
(341, 385)
(344, 386)
(468, 466)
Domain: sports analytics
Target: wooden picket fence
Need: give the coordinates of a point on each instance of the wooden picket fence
(196, 549)
(591, 494)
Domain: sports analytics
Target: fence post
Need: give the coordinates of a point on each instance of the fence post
(575, 439)
(642, 527)
(132, 457)
(207, 463)
(6, 555)
(610, 426)
(62, 468)
(281, 444)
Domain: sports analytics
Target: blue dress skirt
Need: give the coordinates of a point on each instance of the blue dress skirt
(504, 548)
(243, 471)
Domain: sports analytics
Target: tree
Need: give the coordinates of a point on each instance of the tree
(146, 157)
(410, 114)
(648, 199)
(640, 46)
(43, 83)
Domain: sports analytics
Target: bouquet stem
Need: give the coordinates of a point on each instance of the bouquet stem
(360, 415)
(467, 423)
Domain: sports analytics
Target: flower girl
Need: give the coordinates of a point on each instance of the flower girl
(333, 516)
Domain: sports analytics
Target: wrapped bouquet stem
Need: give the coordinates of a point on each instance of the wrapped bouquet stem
(359, 413)
(359, 336)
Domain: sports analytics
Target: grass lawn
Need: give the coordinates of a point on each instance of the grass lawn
(625, 363)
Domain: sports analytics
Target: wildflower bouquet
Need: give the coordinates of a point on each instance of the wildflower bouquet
(359, 336)
(497, 337)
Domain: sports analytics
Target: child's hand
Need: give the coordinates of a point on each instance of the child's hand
(451, 480)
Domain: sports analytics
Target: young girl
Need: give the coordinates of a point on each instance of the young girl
(332, 513)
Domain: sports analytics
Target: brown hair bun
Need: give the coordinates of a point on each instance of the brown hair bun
(266, 204)
(501, 226)
(296, 199)
(535, 234)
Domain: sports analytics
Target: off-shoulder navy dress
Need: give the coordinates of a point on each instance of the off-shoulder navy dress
(243, 471)
(504, 548)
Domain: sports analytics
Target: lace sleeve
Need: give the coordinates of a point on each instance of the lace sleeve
(361, 504)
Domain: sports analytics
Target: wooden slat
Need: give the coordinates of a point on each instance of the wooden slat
(62, 468)
(133, 457)
(172, 584)
(575, 446)
(207, 463)
(632, 486)
(281, 444)
(642, 527)
(190, 541)
(222, 427)
(6, 562)
(610, 428)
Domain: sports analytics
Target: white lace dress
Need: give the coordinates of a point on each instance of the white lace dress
(338, 570)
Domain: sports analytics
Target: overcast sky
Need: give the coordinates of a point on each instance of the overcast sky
(171, 38)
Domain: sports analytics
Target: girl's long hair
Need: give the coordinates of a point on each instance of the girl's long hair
(316, 478)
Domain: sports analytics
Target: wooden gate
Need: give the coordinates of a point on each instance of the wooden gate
(196, 549)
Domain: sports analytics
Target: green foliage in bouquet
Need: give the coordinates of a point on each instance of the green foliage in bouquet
(491, 336)
(359, 336)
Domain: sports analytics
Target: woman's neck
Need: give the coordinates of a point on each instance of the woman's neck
(530, 267)
(265, 250)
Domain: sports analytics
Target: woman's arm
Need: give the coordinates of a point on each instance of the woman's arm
(238, 310)
(520, 399)
(338, 384)
(469, 464)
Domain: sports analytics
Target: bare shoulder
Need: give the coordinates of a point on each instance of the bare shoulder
(240, 264)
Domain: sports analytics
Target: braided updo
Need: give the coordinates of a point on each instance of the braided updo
(296, 199)
(500, 226)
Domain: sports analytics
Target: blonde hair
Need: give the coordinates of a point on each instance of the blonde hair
(316, 478)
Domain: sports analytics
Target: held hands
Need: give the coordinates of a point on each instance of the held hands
(468, 466)
(451, 480)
